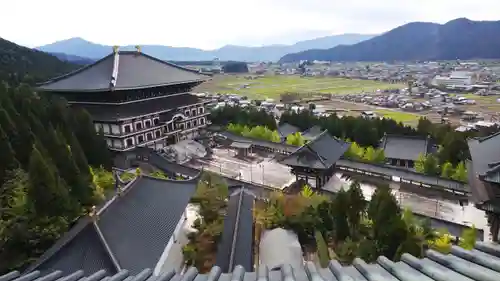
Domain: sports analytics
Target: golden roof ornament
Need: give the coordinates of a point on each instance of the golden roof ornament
(138, 48)
(115, 48)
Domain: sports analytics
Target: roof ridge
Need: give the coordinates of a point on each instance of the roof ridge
(107, 248)
(235, 233)
(193, 179)
(481, 139)
(114, 72)
(163, 61)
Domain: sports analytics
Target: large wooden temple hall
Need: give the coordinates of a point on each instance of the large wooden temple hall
(135, 99)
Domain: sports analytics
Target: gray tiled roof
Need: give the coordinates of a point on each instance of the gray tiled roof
(320, 153)
(405, 147)
(131, 230)
(102, 112)
(237, 236)
(286, 129)
(480, 264)
(483, 173)
(312, 132)
(135, 71)
(485, 154)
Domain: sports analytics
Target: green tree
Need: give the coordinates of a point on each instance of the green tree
(460, 172)
(356, 207)
(389, 230)
(379, 156)
(340, 214)
(323, 255)
(8, 160)
(295, 139)
(369, 154)
(354, 152)
(431, 165)
(447, 170)
(46, 190)
(420, 163)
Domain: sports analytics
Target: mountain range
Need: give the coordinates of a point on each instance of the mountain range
(84, 49)
(21, 64)
(457, 39)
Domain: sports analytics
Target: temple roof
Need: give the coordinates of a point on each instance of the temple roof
(106, 112)
(484, 168)
(130, 231)
(236, 242)
(312, 132)
(320, 153)
(123, 70)
(405, 147)
(485, 155)
(480, 264)
(286, 129)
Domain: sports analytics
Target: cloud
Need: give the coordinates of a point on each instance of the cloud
(211, 24)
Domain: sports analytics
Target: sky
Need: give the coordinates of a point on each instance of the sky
(210, 24)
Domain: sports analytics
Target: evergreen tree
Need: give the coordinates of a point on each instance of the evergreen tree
(340, 214)
(389, 230)
(46, 190)
(356, 208)
(8, 160)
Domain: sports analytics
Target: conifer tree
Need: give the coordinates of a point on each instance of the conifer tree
(8, 160)
(46, 190)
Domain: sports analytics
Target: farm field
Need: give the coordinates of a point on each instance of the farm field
(272, 86)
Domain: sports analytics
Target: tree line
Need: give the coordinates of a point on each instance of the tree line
(365, 132)
(347, 226)
(46, 183)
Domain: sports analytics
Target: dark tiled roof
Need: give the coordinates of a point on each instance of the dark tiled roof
(131, 231)
(286, 129)
(483, 172)
(102, 112)
(312, 132)
(236, 245)
(320, 153)
(480, 264)
(134, 71)
(405, 147)
(485, 155)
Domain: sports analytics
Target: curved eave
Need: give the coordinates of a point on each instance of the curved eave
(118, 88)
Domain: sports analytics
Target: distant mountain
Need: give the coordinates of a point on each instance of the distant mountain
(82, 48)
(21, 64)
(457, 39)
(73, 59)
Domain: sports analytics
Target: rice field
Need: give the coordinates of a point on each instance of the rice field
(272, 86)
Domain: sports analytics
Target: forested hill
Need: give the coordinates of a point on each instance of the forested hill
(458, 39)
(46, 151)
(21, 64)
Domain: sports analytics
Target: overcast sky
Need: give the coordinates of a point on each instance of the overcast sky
(209, 24)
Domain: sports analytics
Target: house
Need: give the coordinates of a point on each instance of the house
(280, 247)
(403, 151)
(137, 228)
(236, 245)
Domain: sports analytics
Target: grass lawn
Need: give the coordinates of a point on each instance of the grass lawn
(273, 86)
(404, 117)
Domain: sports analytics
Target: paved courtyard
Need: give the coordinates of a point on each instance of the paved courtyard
(261, 170)
(265, 170)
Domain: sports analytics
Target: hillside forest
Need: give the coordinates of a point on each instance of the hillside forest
(46, 180)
